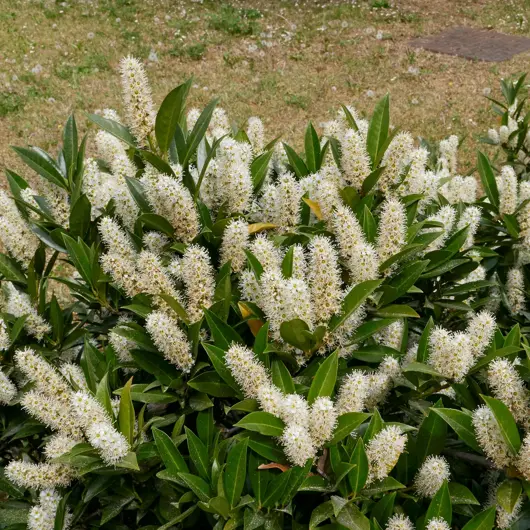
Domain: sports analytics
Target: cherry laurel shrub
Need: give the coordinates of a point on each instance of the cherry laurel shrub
(258, 338)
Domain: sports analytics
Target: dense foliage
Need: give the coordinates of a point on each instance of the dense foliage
(260, 338)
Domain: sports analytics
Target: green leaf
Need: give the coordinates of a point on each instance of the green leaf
(210, 383)
(320, 514)
(137, 191)
(115, 507)
(506, 423)
(440, 505)
(170, 114)
(103, 395)
(198, 454)
(10, 270)
(281, 377)
(358, 475)
(126, 413)
(352, 301)
(312, 149)
(60, 514)
(235, 472)
(495, 354)
(431, 436)
(259, 169)
(287, 263)
(298, 165)
(422, 368)
(461, 423)
(113, 127)
(223, 334)
(383, 509)
(80, 217)
(346, 424)
(371, 180)
(157, 222)
(199, 130)
(177, 307)
(70, 145)
(262, 422)
(352, 518)
(42, 163)
(370, 328)
(378, 129)
(266, 447)
(423, 345)
(396, 311)
(217, 358)
(482, 521)
(296, 332)
(488, 179)
(401, 283)
(324, 382)
(197, 485)
(461, 495)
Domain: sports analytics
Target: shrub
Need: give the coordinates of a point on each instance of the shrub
(260, 338)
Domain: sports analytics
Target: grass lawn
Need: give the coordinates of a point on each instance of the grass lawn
(285, 61)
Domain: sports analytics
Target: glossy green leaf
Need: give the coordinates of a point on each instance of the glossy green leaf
(324, 381)
(262, 422)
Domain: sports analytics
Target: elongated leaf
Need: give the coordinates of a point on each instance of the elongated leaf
(259, 169)
(461, 423)
(358, 475)
(42, 163)
(197, 485)
(157, 222)
(199, 130)
(440, 505)
(282, 378)
(298, 165)
(431, 436)
(378, 129)
(126, 413)
(169, 453)
(170, 114)
(352, 518)
(506, 423)
(352, 301)
(461, 495)
(223, 334)
(113, 127)
(423, 345)
(262, 422)
(70, 146)
(312, 149)
(482, 521)
(235, 472)
(324, 382)
(488, 179)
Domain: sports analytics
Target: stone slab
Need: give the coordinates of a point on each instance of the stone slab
(475, 44)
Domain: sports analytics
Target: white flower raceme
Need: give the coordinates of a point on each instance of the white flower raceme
(523, 458)
(270, 399)
(19, 305)
(431, 476)
(447, 216)
(58, 445)
(154, 279)
(451, 354)
(42, 515)
(460, 189)
(155, 241)
(399, 521)
(97, 425)
(110, 443)
(137, 98)
(172, 200)
(249, 286)
(392, 231)
(523, 215)
(46, 378)
(324, 279)
(448, 154)
(415, 180)
(297, 444)
(380, 382)
(5, 341)
(437, 523)
(507, 186)
(504, 519)
(493, 135)
(480, 330)
(15, 233)
(471, 218)
(383, 452)
(249, 373)
(198, 276)
(295, 410)
(7, 389)
(51, 411)
(508, 386)
(515, 291)
(73, 373)
(395, 159)
(360, 256)
(170, 339)
(233, 172)
(322, 420)
(352, 393)
(219, 126)
(235, 242)
(391, 336)
(299, 262)
(122, 346)
(490, 438)
(266, 252)
(256, 135)
(288, 197)
(355, 160)
(97, 186)
(295, 302)
(120, 259)
(38, 476)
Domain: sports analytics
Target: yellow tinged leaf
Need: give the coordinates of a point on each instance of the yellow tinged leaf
(245, 310)
(260, 227)
(315, 208)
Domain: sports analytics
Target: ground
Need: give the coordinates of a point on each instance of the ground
(285, 61)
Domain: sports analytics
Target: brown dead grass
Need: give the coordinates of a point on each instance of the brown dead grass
(305, 61)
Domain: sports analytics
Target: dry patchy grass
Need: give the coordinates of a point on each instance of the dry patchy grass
(285, 61)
